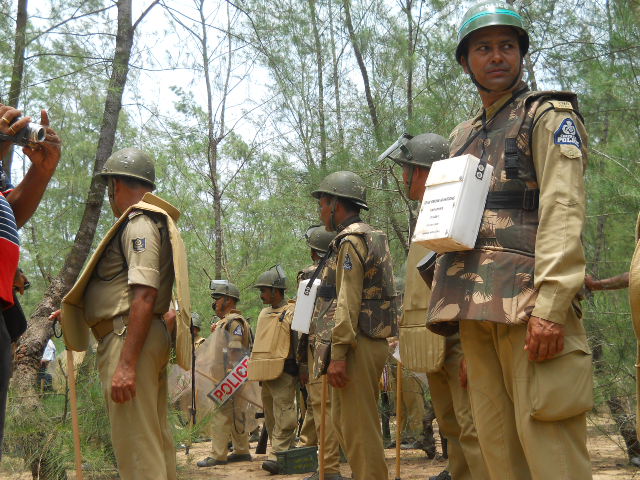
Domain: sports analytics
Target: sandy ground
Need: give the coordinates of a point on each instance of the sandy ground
(608, 459)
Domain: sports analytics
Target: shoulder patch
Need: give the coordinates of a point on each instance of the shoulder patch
(239, 330)
(139, 244)
(567, 134)
(561, 105)
(348, 264)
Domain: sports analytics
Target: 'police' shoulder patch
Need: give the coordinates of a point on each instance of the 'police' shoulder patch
(567, 134)
(139, 244)
(348, 264)
(238, 330)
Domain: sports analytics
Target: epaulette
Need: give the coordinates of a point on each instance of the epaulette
(135, 213)
(561, 105)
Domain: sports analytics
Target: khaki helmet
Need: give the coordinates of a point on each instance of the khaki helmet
(130, 162)
(273, 278)
(344, 184)
(196, 321)
(488, 14)
(319, 239)
(224, 288)
(419, 151)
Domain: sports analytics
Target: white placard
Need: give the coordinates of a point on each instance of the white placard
(304, 306)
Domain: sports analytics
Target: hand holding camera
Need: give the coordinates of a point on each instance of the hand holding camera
(41, 143)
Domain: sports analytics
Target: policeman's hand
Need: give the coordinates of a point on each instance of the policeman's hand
(544, 339)
(170, 320)
(462, 373)
(337, 373)
(45, 155)
(55, 315)
(123, 384)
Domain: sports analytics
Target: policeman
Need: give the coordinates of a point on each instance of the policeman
(514, 296)
(421, 349)
(273, 363)
(232, 340)
(122, 294)
(358, 280)
(196, 326)
(318, 240)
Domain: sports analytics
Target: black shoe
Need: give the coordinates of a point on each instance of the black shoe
(211, 462)
(271, 466)
(239, 457)
(443, 475)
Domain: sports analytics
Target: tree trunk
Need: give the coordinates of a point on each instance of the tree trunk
(363, 71)
(320, 63)
(336, 83)
(17, 72)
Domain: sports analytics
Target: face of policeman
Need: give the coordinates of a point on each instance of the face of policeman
(493, 57)
(325, 205)
(418, 181)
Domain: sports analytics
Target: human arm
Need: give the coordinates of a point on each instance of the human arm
(141, 244)
(24, 199)
(123, 382)
(559, 256)
(612, 283)
(349, 281)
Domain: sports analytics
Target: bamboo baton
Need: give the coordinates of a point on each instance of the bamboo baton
(323, 413)
(74, 414)
(399, 420)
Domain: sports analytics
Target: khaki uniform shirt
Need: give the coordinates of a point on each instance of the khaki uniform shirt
(140, 255)
(559, 256)
(349, 281)
(237, 334)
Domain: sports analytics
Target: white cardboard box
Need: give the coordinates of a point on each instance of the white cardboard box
(304, 306)
(453, 204)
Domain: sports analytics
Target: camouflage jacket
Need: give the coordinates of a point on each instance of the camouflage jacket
(495, 280)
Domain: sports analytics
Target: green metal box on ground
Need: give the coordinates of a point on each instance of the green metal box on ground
(298, 460)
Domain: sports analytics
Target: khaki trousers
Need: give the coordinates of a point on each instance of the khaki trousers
(308, 435)
(516, 446)
(229, 421)
(142, 442)
(453, 412)
(278, 402)
(354, 409)
(331, 446)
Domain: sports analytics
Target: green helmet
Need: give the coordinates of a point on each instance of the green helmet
(419, 151)
(344, 184)
(319, 239)
(488, 14)
(272, 278)
(196, 321)
(225, 288)
(130, 162)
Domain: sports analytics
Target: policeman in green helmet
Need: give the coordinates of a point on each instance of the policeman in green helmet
(353, 315)
(422, 350)
(121, 296)
(273, 363)
(528, 363)
(231, 341)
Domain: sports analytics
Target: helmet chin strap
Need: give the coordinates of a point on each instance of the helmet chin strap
(111, 187)
(485, 89)
(410, 182)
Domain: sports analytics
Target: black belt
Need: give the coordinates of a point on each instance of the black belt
(327, 291)
(520, 199)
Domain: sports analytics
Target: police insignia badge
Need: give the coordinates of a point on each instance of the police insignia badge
(238, 330)
(347, 265)
(567, 134)
(139, 244)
